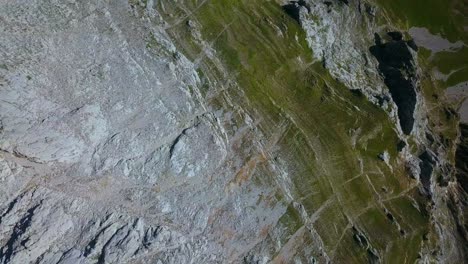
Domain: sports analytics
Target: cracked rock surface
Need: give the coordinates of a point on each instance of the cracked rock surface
(136, 131)
(107, 155)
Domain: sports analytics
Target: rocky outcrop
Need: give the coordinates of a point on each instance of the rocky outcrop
(293, 9)
(342, 46)
(462, 158)
(427, 167)
(458, 203)
(108, 152)
(47, 227)
(115, 147)
(332, 38)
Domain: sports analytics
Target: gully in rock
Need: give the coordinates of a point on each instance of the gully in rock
(397, 67)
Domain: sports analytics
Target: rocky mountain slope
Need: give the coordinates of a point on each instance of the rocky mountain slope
(198, 131)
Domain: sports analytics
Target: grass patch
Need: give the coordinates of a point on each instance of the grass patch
(444, 17)
(296, 100)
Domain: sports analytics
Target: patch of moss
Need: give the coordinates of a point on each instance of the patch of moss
(448, 61)
(444, 17)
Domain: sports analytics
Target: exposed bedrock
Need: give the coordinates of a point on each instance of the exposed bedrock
(293, 9)
(398, 69)
(427, 167)
(102, 116)
(462, 158)
(136, 131)
(458, 193)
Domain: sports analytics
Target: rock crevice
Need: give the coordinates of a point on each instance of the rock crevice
(398, 70)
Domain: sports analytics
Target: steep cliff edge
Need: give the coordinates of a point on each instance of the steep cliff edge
(142, 131)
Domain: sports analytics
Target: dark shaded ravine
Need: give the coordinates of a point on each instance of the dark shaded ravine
(462, 158)
(427, 166)
(293, 9)
(397, 67)
(458, 202)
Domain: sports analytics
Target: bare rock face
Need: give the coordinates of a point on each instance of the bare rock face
(117, 146)
(108, 154)
(342, 46)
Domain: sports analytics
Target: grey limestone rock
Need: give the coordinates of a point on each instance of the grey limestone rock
(107, 151)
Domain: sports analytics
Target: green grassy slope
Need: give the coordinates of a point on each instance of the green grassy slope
(329, 137)
(446, 18)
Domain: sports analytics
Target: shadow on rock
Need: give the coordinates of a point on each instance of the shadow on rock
(397, 67)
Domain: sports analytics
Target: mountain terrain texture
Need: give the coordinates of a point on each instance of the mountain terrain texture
(233, 131)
